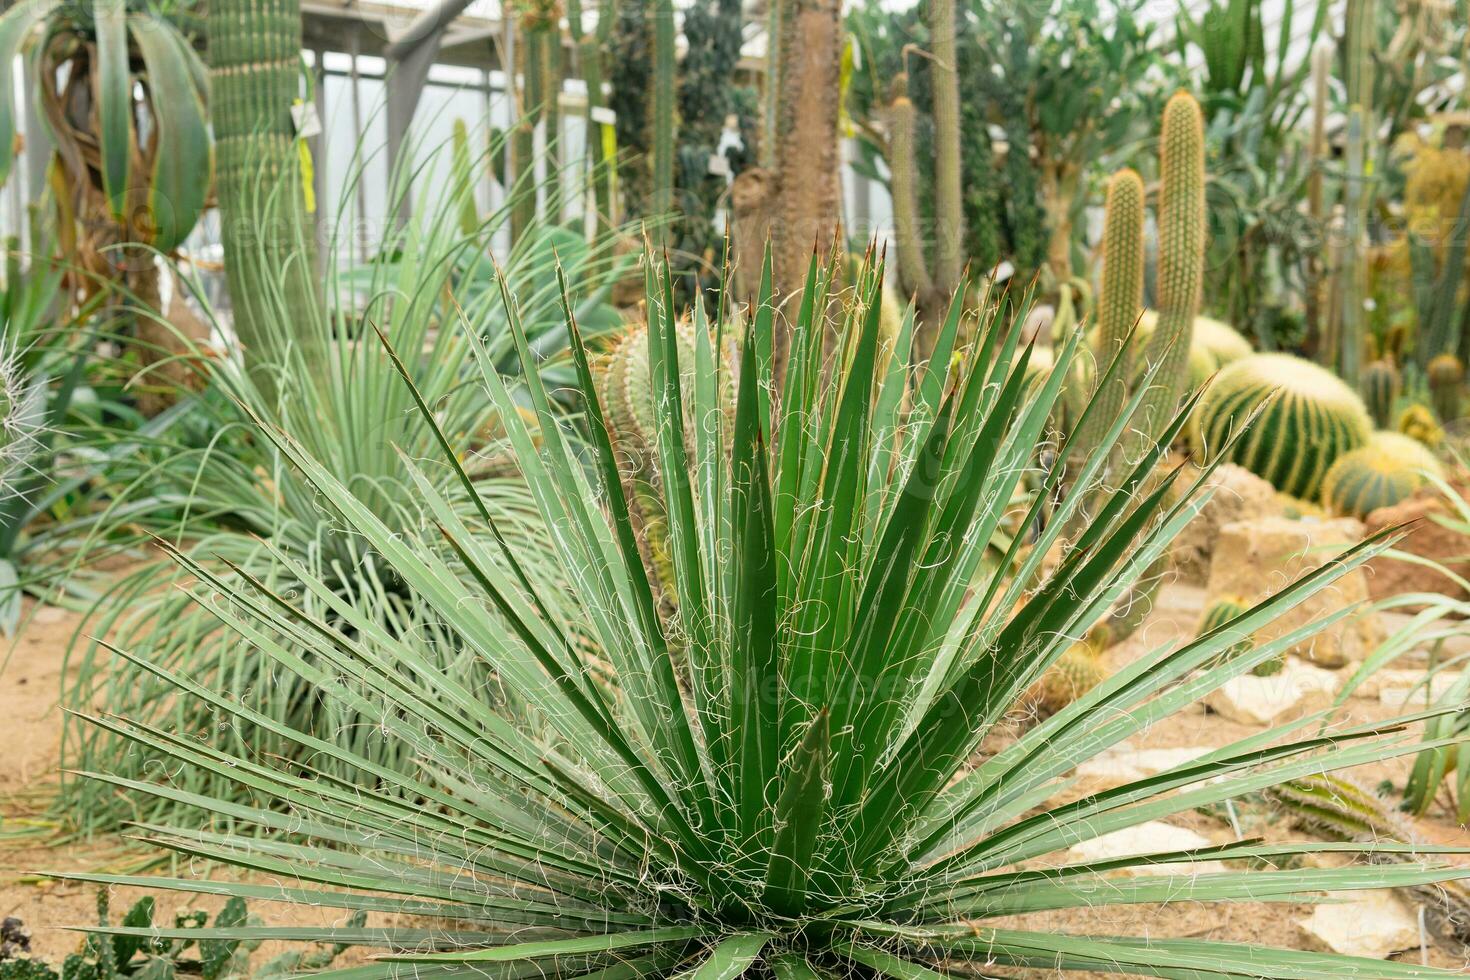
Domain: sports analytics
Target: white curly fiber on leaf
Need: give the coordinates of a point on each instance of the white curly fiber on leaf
(22, 416)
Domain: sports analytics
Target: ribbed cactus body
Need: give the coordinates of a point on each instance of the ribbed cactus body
(1446, 375)
(1339, 809)
(663, 122)
(1221, 611)
(949, 251)
(464, 178)
(1381, 384)
(625, 387)
(1217, 614)
(1078, 670)
(1181, 232)
(1312, 420)
(913, 262)
(1384, 472)
(1121, 300)
(270, 257)
(1417, 422)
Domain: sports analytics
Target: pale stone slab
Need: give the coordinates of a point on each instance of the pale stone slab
(1374, 924)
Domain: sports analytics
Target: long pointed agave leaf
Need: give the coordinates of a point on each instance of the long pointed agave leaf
(776, 776)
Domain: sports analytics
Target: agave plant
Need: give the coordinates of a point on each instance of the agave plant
(235, 503)
(781, 777)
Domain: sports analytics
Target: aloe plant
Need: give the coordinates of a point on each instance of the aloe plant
(119, 60)
(779, 777)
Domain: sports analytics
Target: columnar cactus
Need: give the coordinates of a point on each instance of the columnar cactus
(662, 109)
(463, 166)
(626, 388)
(1382, 473)
(1308, 419)
(1446, 375)
(1181, 224)
(22, 418)
(913, 260)
(1122, 295)
(1078, 670)
(1381, 384)
(270, 254)
(949, 253)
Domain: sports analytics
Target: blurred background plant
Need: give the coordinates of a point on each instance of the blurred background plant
(433, 300)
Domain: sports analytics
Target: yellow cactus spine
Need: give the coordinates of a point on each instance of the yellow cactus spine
(1181, 222)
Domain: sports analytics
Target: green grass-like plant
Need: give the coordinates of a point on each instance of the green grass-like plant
(782, 777)
(230, 499)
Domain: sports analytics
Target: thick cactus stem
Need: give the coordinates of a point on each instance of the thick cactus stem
(1121, 301)
(913, 262)
(255, 73)
(1181, 222)
(1303, 418)
(1381, 384)
(662, 109)
(949, 264)
(1446, 377)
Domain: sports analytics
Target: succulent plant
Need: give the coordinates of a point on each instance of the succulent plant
(1220, 612)
(1417, 421)
(784, 778)
(1382, 473)
(1181, 231)
(1308, 419)
(1078, 670)
(1381, 384)
(1446, 375)
(1122, 294)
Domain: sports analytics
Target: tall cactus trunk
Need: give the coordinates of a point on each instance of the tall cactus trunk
(589, 62)
(662, 119)
(949, 264)
(1121, 301)
(913, 259)
(807, 198)
(540, 107)
(1316, 305)
(1361, 35)
(1181, 222)
(270, 253)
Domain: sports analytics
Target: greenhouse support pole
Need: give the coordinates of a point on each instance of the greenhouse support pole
(410, 57)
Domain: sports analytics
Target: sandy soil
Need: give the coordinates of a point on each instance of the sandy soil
(28, 776)
(51, 908)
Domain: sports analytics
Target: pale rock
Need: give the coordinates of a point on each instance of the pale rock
(1238, 495)
(1297, 689)
(1374, 924)
(1414, 689)
(1124, 763)
(1152, 837)
(47, 615)
(1255, 559)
